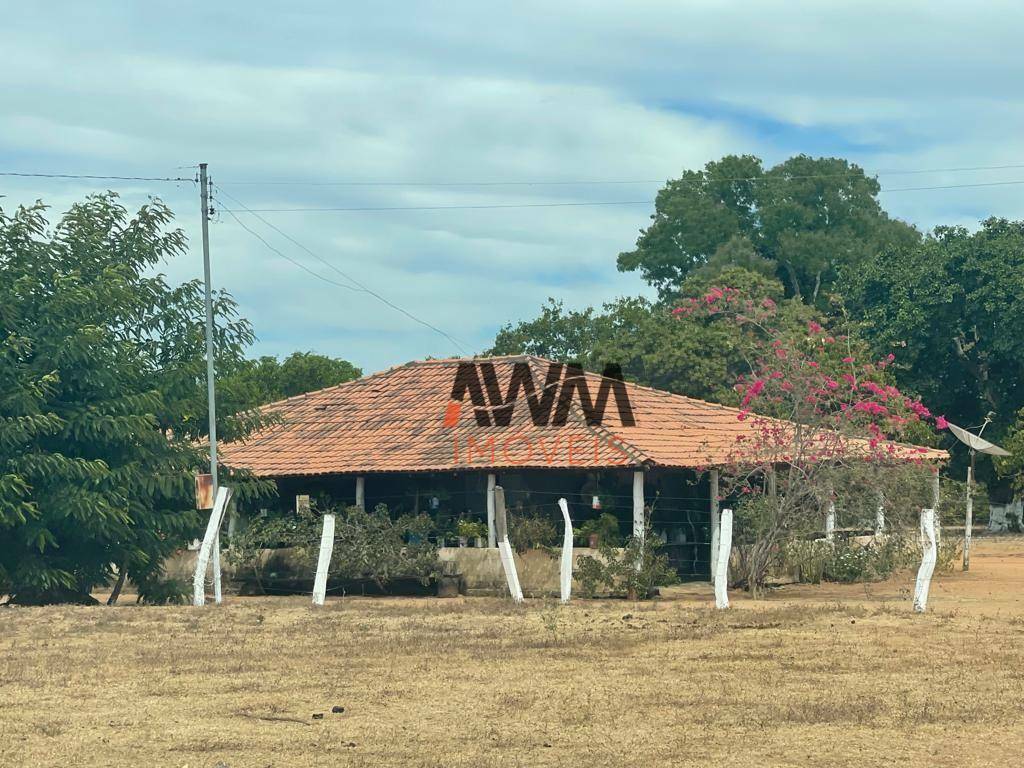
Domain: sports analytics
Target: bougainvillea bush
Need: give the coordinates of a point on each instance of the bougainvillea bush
(826, 424)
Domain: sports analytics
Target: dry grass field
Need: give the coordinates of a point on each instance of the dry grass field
(829, 676)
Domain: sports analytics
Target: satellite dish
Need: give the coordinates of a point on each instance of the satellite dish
(976, 443)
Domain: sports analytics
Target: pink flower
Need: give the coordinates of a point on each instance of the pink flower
(847, 359)
(831, 383)
(941, 423)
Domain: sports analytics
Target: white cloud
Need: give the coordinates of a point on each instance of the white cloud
(475, 92)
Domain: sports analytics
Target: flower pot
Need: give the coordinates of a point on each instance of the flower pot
(593, 540)
(463, 542)
(479, 543)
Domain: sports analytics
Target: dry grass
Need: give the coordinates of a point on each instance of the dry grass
(830, 676)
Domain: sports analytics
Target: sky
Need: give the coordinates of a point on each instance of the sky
(420, 104)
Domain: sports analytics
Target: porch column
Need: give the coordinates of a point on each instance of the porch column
(492, 536)
(716, 523)
(361, 492)
(638, 505)
(830, 522)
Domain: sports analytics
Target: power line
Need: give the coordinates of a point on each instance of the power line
(359, 287)
(956, 186)
(446, 207)
(605, 182)
(573, 204)
(93, 177)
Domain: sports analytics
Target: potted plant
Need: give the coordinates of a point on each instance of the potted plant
(472, 530)
(603, 529)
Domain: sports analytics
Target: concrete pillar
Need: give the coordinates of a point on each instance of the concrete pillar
(638, 505)
(492, 537)
(361, 492)
(716, 524)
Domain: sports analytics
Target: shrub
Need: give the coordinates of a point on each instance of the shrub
(847, 560)
(614, 571)
(531, 531)
(606, 526)
(368, 545)
(471, 529)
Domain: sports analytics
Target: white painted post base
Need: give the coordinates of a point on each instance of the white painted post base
(566, 569)
(508, 562)
(323, 563)
(722, 565)
(206, 548)
(924, 573)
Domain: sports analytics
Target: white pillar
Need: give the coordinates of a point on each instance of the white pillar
(715, 523)
(969, 518)
(566, 568)
(492, 536)
(722, 566)
(639, 523)
(323, 563)
(880, 517)
(924, 573)
(830, 522)
(638, 505)
(361, 492)
(206, 548)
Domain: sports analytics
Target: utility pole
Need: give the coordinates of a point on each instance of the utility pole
(204, 200)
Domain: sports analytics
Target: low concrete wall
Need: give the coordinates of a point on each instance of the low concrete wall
(479, 567)
(537, 568)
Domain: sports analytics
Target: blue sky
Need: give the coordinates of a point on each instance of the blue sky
(480, 92)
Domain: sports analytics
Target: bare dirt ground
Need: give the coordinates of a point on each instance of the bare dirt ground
(813, 676)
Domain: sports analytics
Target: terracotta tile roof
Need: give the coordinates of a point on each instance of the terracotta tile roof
(394, 421)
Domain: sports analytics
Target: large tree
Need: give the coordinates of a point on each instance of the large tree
(809, 219)
(949, 308)
(102, 397)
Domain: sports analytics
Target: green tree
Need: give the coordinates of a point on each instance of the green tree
(948, 309)
(654, 349)
(265, 380)
(102, 398)
(809, 219)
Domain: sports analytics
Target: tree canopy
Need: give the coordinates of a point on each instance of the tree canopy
(102, 397)
(948, 307)
(266, 379)
(808, 220)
